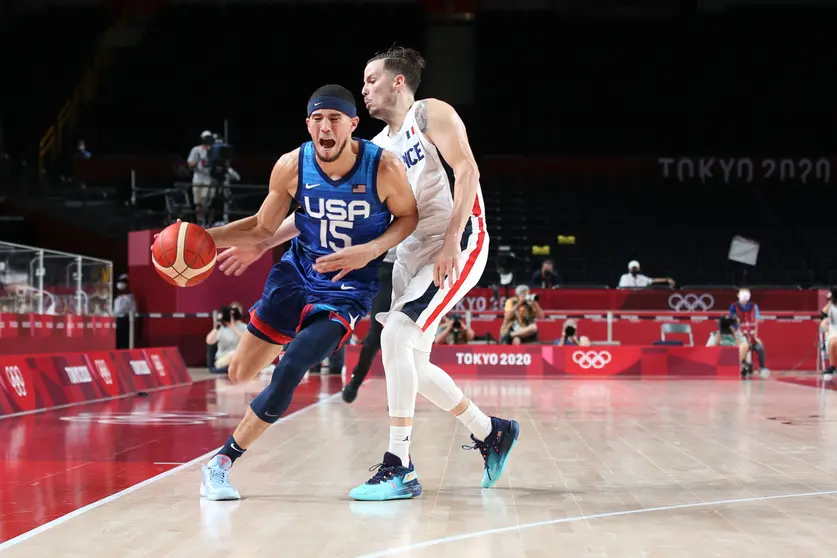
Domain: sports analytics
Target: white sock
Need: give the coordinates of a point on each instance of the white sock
(476, 421)
(399, 443)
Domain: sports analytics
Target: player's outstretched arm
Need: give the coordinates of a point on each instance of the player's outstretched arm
(264, 224)
(236, 260)
(395, 191)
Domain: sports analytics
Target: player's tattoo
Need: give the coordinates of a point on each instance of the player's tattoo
(421, 115)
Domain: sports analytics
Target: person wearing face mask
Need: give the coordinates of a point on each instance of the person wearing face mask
(635, 279)
(123, 305)
(746, 314)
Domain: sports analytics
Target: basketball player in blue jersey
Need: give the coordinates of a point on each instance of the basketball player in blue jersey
(357, 205)
(434, 268)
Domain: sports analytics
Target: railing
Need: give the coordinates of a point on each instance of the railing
(53, 282)
(178, 200)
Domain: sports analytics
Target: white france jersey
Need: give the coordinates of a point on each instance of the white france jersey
(431, 187)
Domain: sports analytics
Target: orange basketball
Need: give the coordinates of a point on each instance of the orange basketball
(184, 254)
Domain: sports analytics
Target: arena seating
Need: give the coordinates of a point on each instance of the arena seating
(593, 91)
(171, 71)
(38, 51)
(683, 232)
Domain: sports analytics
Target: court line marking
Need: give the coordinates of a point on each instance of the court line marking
(93, 505)
(606, 515)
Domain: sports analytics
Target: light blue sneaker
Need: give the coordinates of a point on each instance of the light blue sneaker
(393, 481)
(214, 484)
(496, 448)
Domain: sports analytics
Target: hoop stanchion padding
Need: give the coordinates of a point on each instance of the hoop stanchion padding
(43, 381)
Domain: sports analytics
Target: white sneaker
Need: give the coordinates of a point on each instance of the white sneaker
(214, 484)
(765, 373)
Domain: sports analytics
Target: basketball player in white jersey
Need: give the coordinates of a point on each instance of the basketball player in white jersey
(434, 268)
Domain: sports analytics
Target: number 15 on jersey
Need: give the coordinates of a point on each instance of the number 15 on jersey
(331, 237)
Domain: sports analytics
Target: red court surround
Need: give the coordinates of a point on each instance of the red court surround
(43, 381)
(548, 361)
(40, 333)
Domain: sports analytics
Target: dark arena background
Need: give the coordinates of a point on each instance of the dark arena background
(642, 164)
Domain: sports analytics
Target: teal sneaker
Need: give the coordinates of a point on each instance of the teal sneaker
(496, 448)
(392, 481)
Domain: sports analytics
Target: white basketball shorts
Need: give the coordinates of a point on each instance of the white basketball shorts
(413, 291)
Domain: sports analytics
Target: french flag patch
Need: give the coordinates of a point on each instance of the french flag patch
(411, 132)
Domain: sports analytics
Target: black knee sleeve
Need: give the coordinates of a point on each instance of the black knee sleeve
(311, 346)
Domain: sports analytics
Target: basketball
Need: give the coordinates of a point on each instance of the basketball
(184, 254)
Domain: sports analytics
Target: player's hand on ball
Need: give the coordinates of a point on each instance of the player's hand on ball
(447, 265)
(345, 260)
(235, 260)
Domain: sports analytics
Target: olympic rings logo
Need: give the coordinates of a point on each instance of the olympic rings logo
(691, 302)
(592, 359)
(16, 380)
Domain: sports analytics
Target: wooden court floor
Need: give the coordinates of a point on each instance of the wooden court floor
(603, 468)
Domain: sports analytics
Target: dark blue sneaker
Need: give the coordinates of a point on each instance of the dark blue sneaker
(393, 481)
(496, 448)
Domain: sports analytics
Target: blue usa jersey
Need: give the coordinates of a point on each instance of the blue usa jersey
(336, 214)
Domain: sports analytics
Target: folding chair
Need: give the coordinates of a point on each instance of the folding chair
(674, 327)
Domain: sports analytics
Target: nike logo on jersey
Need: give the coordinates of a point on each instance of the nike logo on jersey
(309, 186)
(346, 288)
(353, 321)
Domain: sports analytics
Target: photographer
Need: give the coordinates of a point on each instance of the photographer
(728, 336)
(221, 342)
(570, 335)
(521, 311)
(452, 331)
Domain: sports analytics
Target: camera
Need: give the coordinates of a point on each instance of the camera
(569, 331)
(220, 160)
(457, 325)
(228, 314)
(725, 324)
(532, 297)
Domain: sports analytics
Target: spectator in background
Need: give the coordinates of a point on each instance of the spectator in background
(545, 277)
(727, 336)
(635, 279)
(570, 336)
(202, 181)
(521, 311)
(81, 149)
(452, 331)
(747, 317)
(222, 341)
(123, 305)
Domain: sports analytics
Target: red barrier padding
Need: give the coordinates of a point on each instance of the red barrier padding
(789, 344)
(43, 381)
(667, 300)
(549, 361)
(64, 333)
